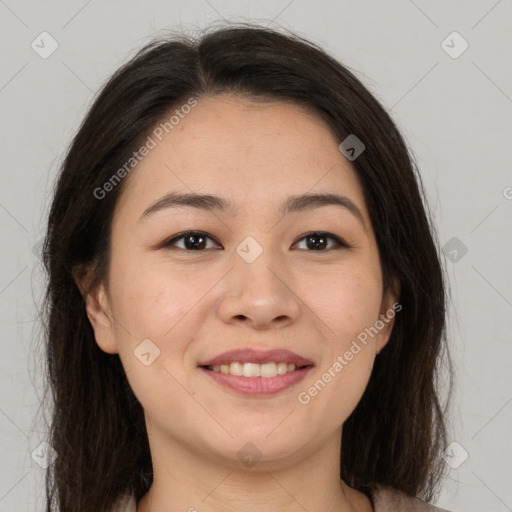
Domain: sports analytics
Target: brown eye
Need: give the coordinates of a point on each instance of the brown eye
(192, 241)
(318, 241)
(197, 241)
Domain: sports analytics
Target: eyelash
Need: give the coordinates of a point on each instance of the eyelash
(340, 244)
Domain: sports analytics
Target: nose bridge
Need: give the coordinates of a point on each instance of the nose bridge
(257, 287)
(258, 265)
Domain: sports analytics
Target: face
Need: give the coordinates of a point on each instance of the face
(252, 278)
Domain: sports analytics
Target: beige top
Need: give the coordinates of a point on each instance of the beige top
(385, 499)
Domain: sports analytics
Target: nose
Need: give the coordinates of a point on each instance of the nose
(259, 294)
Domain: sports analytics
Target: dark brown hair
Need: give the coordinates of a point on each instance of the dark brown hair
(396, 433)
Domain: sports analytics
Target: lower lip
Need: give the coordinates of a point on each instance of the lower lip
(258, 386)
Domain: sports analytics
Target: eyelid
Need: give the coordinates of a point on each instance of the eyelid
(339, 242)
(167, 244)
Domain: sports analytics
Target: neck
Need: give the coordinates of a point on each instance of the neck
(187, 480)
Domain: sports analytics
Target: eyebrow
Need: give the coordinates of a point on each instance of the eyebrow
(291, 204)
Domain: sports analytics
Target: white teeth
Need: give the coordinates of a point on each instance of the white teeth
(236, 369)
(253, 369)
(268, 370)
(282, 368)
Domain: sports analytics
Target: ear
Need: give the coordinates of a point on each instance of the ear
(98, 311)
(388, 310)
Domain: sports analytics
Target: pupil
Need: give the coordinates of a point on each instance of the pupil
(321, 244)
(195, 245)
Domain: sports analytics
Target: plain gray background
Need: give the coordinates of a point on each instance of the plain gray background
(454, 108)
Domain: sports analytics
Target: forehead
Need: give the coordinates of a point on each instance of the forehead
(252, 151)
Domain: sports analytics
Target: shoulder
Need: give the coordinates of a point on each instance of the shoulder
(388, 499)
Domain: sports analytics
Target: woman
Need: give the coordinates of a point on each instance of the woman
(245, 305)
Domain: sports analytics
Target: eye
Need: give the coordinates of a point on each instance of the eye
(317, 241)
(193, 240)
(197, 241)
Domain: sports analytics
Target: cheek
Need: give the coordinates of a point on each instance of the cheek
(161, 304)
(153, 308)
(152, 299)
(347, 301)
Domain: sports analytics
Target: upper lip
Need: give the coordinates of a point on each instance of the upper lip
(249, 355)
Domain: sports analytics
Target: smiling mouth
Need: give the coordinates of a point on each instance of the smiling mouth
(257, 380)
(265, 370)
